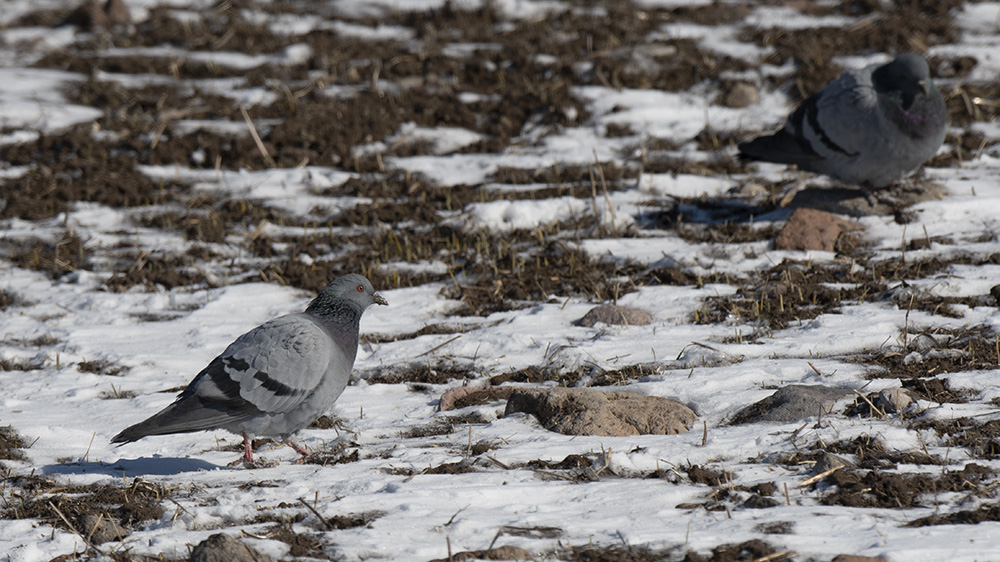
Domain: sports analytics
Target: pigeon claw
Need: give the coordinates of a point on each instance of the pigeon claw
(298, 449)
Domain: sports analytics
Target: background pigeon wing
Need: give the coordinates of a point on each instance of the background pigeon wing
(845, 119)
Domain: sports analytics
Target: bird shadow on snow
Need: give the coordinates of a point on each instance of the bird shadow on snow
(827, 196)
(151, 466)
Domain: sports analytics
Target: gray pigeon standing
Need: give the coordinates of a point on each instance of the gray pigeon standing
(868, 127)
(274, 379)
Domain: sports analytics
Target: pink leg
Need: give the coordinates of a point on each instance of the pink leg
(247, 458)
(247, 450)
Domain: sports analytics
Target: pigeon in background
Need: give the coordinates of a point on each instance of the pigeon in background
(274, 379)
(868, 127)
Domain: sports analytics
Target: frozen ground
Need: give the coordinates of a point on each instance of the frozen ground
(497, 171)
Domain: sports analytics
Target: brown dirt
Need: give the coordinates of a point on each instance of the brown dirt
(73, 167)
(423, 373)
(615, 553)
(445, 425)
(980, 438)
(57, 258)
(961, 350)
(8, 299)
(870, 452)
(300, 544)
(102, 367)
(750, 550)
(888, 490)
(11, 444)
(985, 512)
(129, 505)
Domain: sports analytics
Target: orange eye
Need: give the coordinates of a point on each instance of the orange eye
(361, 288)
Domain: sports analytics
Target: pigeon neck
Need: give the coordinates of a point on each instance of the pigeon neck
(341, 318)
(924, 117)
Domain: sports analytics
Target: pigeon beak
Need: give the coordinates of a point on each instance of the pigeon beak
(925, 87)
(379, 299)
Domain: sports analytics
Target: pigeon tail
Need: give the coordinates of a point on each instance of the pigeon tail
(184, 416)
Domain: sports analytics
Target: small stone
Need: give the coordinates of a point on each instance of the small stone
(809, 229)
(740, 94)
(830, 461)
(221, 547)
(894, 400)
(88, 15)
(613, 314)
(102, 529)
(506, 552)
(995, 293)
(117, 12)
(91, 14)
(584, 411)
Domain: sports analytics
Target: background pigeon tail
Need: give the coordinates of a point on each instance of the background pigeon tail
(780, 147)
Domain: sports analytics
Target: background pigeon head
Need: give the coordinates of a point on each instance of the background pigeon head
(908, 77)
(353, 291)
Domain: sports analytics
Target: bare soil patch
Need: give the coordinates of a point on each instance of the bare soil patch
(888, 490)
(53, 504)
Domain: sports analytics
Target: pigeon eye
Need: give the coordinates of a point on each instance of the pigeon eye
(361, 288)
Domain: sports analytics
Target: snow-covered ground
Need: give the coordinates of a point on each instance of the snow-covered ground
(642, 498)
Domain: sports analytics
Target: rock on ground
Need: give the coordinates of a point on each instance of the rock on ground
(740, 94)
(221, 547)
(613, 314)
(791, 403)
(498, 553)
(101, 529)
(894, 400)
(809, 229)
(583, 411)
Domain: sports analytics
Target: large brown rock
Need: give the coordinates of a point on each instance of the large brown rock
(582, 411)
(809, 229)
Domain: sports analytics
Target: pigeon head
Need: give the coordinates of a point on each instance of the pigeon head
(351, 291)
(906, 79)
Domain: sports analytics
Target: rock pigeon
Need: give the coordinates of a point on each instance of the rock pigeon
(274, 379)
(868, 127)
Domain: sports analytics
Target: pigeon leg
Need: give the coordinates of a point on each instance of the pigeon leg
(291, 442)
(247, 458)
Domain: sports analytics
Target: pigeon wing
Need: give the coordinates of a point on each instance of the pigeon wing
(278, 365)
